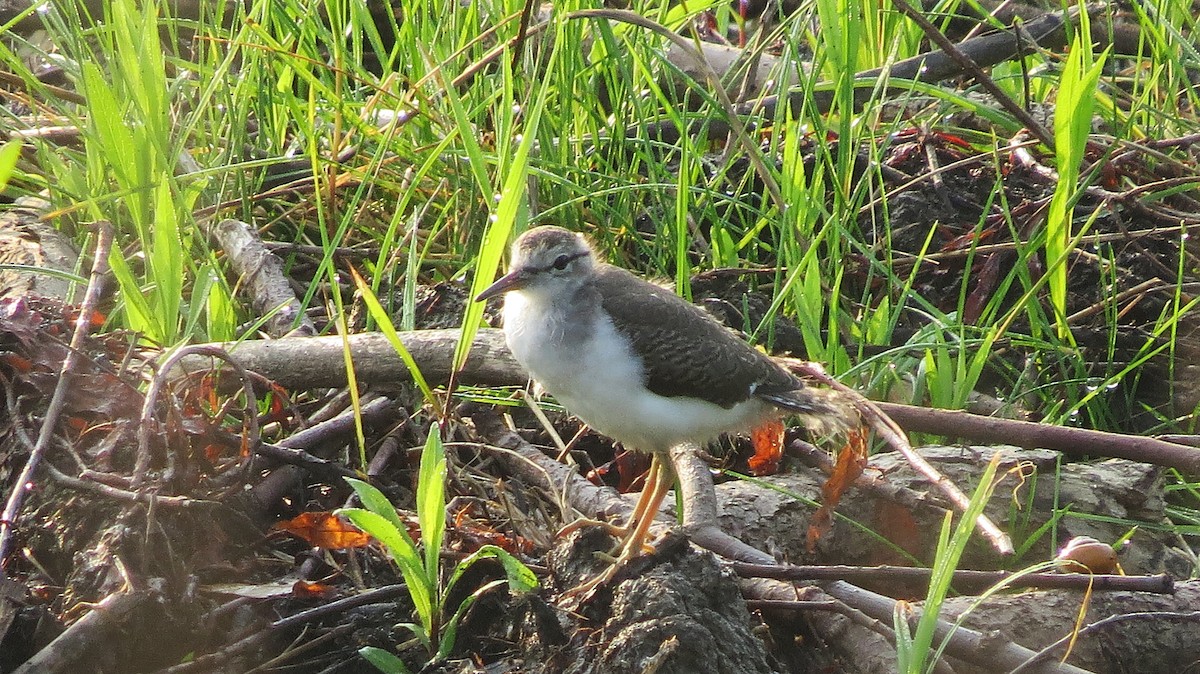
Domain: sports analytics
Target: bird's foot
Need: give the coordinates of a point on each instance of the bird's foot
(612, 529)
(585, 589)
(635, 558)
(621, 533)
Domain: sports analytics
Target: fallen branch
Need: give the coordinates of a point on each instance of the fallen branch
(261, 273)
(966, 581)
(74, 649)
(1028, 434)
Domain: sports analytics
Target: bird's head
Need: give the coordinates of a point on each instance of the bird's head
(545, 259)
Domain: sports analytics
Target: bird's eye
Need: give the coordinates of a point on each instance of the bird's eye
(561, 262)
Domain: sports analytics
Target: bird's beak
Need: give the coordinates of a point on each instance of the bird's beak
(513, 280)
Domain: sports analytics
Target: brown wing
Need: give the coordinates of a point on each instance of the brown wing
(684, 350)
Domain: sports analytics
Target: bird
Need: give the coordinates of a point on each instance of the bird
(636, 362)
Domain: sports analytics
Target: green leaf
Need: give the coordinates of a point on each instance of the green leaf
(431, 499)
(949, 550)
(904, 639)
(519, 577)
(450, 633)
(403, 552)
(421, 633)
(383, 660)
(10, 152)
(384, 321)
(1072, 126)
(374, 500)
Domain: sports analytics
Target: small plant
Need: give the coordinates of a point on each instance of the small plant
(914, 651)
(421, 565)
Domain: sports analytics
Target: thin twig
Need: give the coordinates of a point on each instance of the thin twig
(104, 237)
(119, 494)
(213, 661)
(1071, 441)
(1044, 654)
(968, 65)
(964, 580)
(157, 384)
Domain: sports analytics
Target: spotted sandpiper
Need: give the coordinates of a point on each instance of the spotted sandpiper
(636, 362)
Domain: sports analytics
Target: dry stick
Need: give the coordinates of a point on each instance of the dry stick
(19, 83)
(317, 362)
(105, 484)
(964, 580)
(119, 494)
(1073, 441)
(74, 649)
(911, 182)
(1143, 287)
(284, 479)
(1091, 238)
(261, 272)
(1176, 221)
(213, 662)
(894, 436)
(104, 237)
(164, 374)
(968, 65)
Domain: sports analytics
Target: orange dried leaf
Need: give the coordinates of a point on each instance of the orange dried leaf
(18, 363)
(768, 448)
(850, 463)
(818, 526)
(95, 319)
(213, 451)
(306, 590)
(324, 530)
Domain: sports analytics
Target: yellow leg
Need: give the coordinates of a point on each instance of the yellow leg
(658, 482)
(639, 509)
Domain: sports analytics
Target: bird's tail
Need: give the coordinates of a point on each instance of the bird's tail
(822, 410)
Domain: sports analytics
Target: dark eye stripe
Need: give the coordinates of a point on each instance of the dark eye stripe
(570, 258)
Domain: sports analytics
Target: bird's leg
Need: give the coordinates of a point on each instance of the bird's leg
(621, 532)
(659, 482)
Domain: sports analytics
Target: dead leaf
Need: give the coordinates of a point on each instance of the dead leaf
(324, 530)
(304, 589)
(768, 448)
(850, 463)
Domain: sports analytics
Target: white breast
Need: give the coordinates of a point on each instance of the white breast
(597, 377)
